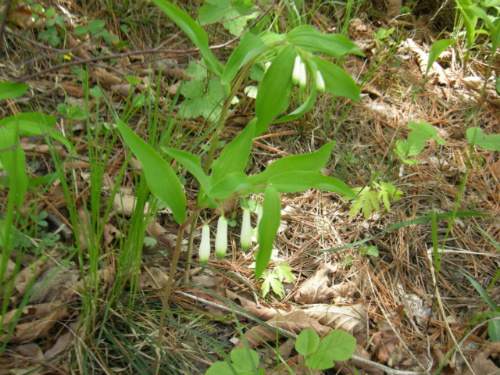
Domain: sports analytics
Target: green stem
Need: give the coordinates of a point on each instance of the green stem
(168, 288)
(223, 115)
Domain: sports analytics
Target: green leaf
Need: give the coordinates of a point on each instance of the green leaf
(192, 163)
(220, 368)
(234, 157)
(13, 160)
(425, 130)
(293, 182)
(194, 32)
(277, 286)
(250, 46)
(160, 177)
(312, 162)
(230, 186)
(284, 272)
(490, 142)
(337, 346)
(273, 96)
(309, 39)
(307, 342)
(245, 359)
(268, 228)
(494, 329)
(437, 48)
(300, 111)
(31, 123)
(12, 90)
(483, 293)
(235, 12)
(337, 80)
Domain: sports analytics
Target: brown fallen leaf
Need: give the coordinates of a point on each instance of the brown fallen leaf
(318, 288)
(293, 322)
(40, 320)
(152, 278)
(351, 319)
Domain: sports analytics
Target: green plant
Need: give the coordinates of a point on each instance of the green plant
(415, 143)
(273, 280)
(96, 30)
(317, 354)
(224, 178)
(370, 197)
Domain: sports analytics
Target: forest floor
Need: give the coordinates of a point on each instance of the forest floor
(400, 280)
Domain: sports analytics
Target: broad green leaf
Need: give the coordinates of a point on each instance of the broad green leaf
(337, 80)
(13, 160)
(494, 329)
(425, 130)
(31, 123)
(245, 359)
(284, 272)
(192, 163)
(160, 177)
(300, 111)
(337, 346)
(490, 142)
(236, 14)
(273, 96)
(268, 228)
(234, 157)
(250, 46)
(12, 90)
(293, 182)
(307, 342)
(194, 32)
(220, 368)
(311, 40)
(231, 185)
(312, 162)
(437, 48)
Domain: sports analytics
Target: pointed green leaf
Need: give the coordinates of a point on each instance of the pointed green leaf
(437, 48)
(13, 160)
(310, 39)
(192, 163)
(268, 228)
(12, 90)
(194, 32)
(273, 96)
(337, 80)
(234, 157)
(312, 162)
(300, 111)
(250, 46)
(160, 177)
(293, 182)
(230, 186)
(307, 342)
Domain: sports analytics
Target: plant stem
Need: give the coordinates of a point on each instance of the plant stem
(223, 115)
(168, 288)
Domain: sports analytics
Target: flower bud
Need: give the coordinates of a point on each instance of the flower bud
(267, 65)
(296, 70)
(204, 253)
(246, 230)
(303, 76)
(320, 82)
(221, 238)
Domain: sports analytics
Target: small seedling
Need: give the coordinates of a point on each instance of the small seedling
(274, 279)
